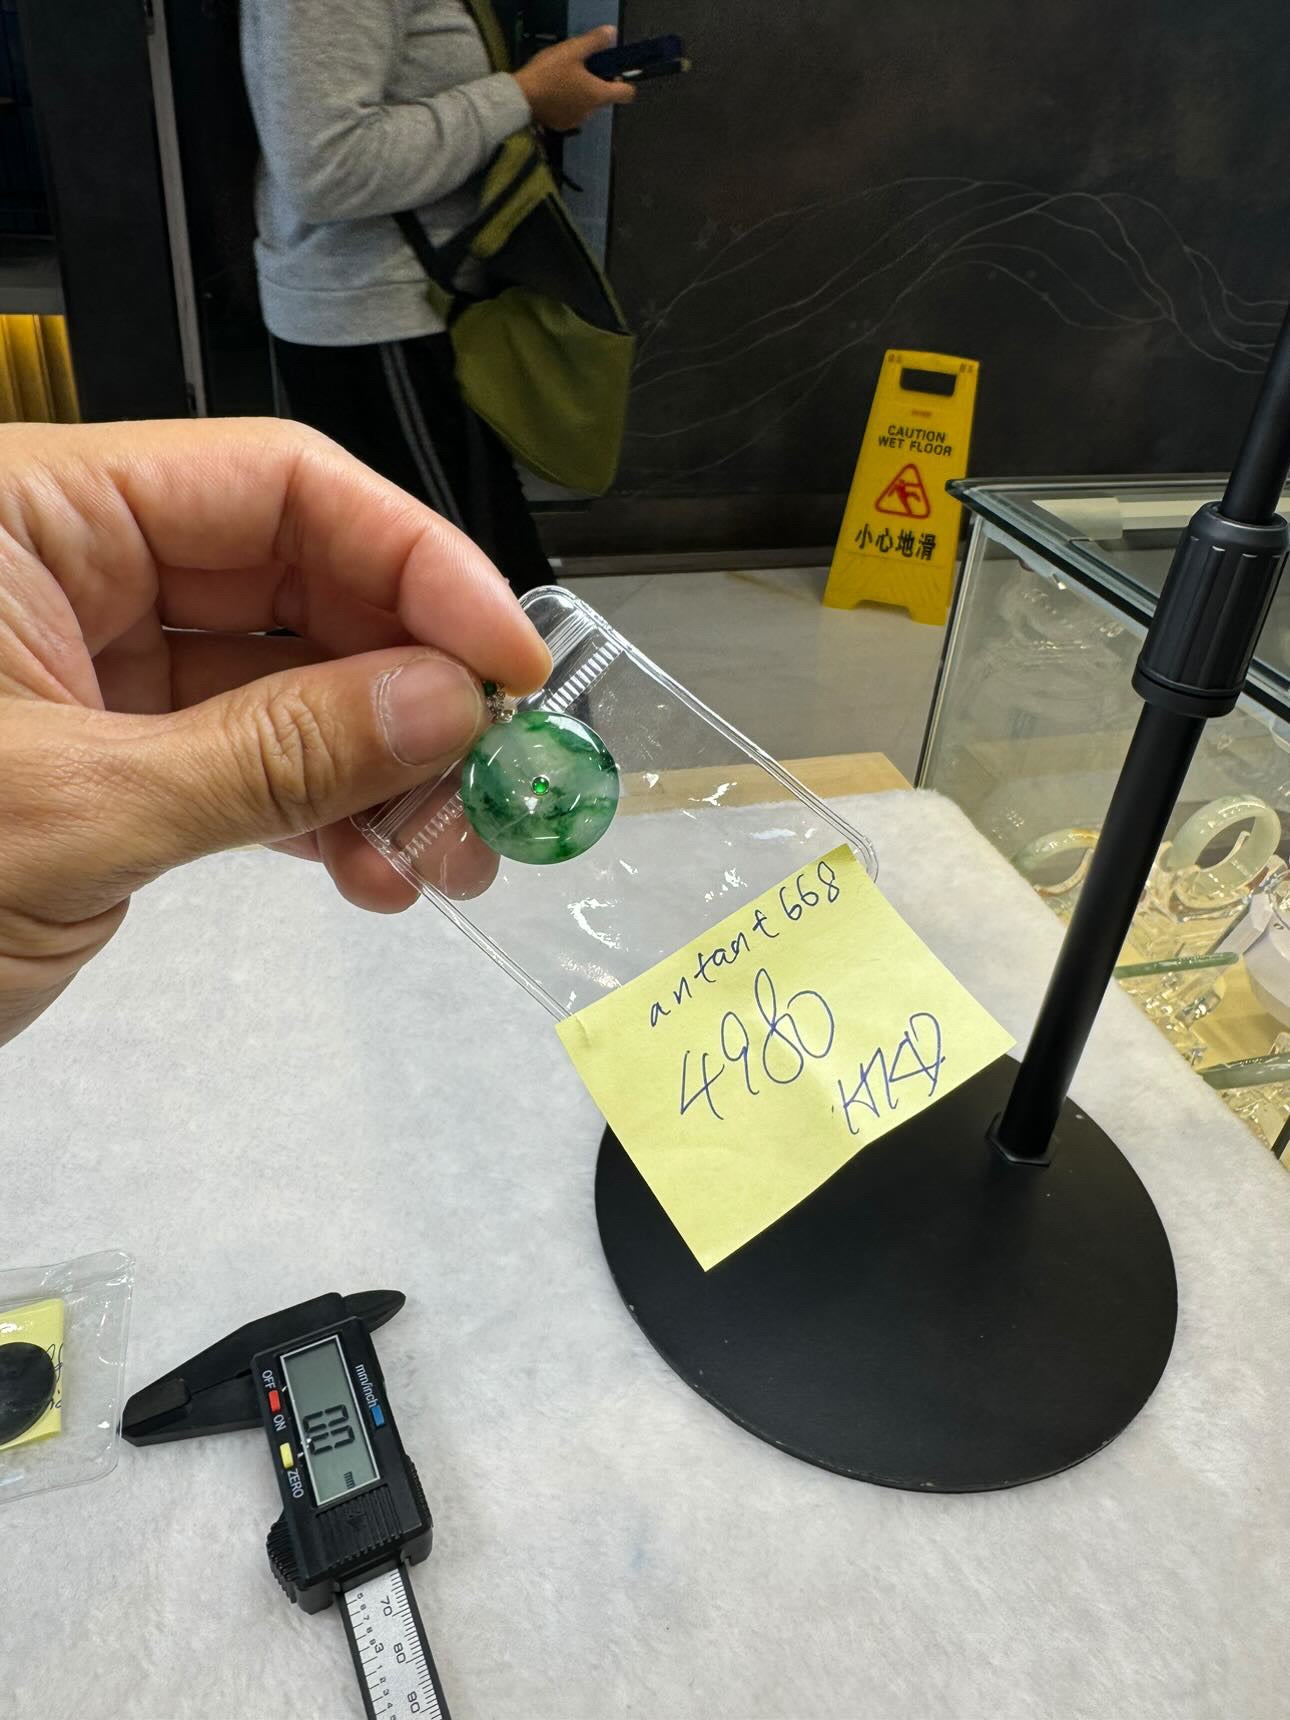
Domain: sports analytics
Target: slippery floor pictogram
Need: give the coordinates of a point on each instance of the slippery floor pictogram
(905, 494)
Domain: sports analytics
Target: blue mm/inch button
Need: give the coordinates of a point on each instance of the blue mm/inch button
(378, 1415)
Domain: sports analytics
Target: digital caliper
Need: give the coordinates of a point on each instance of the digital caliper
(353, 1512)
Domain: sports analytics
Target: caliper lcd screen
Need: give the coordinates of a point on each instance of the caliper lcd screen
(336, 1448)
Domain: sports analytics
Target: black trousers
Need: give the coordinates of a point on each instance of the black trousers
(397, 407)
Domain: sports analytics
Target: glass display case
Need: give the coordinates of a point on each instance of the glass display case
(1030, 722)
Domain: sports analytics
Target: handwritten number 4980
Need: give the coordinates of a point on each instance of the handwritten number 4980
(804, 1029)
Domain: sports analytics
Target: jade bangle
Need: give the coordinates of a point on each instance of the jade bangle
(1248, 856)
(1075, 839)
(1252, 1072)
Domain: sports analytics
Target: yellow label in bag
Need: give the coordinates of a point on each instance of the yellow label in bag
(900, 532)
(746, 1069)
(39, 1323)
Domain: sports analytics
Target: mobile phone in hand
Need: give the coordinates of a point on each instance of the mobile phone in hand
(634, 62)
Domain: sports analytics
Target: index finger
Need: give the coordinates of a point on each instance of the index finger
(222, 495)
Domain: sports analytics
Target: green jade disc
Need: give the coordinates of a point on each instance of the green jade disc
(540, 788)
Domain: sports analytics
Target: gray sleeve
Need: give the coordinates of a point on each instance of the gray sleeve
(316, 72)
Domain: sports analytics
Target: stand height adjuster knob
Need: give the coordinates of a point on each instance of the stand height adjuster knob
(1221, 584)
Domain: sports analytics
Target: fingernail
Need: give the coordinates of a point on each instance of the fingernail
(430, 709)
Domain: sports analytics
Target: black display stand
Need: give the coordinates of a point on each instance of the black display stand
(985, 1296)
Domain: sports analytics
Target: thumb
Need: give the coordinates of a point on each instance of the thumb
(594, 41)
(293, 752)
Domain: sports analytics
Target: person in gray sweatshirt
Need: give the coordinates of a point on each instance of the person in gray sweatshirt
(364, 109)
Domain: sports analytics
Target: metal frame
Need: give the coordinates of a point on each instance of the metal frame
(172, 182)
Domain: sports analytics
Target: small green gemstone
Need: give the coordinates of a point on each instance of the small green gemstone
(490, 689)
(540, 788)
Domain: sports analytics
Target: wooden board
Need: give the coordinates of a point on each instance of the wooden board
(831, 778)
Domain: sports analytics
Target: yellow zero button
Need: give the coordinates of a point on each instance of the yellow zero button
(284, 1452)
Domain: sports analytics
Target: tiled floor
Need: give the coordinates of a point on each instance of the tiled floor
(761, 649)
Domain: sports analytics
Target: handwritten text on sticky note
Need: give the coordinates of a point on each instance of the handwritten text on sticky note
(746, 1069)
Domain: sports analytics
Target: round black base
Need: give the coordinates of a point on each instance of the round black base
(934, 1317)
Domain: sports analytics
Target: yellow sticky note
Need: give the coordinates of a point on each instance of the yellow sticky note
(746, 1069)
(38, 1323)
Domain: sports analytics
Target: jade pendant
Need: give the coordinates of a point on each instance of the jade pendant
(540, 788)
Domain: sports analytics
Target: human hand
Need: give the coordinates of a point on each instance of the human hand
(559, 88)
(144, 718)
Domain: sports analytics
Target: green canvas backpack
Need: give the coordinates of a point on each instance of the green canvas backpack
(546, 357)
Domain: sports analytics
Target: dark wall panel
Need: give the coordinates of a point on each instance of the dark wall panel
(1091, 199)
(88, 65)
(217, 153)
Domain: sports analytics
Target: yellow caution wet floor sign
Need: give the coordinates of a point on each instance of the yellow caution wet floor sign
(899, 536)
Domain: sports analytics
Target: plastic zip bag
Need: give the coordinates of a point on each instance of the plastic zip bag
(706, 821)
(94, 1292)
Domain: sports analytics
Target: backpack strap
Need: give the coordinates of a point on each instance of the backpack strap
(489, 27)
(439, 280)
(430, 259)
(441, 262)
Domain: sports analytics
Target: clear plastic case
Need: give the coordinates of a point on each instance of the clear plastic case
(90, 1297)
(706, 821)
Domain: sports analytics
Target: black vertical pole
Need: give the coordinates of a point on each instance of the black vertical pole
(1158, 759)
(1193, 666)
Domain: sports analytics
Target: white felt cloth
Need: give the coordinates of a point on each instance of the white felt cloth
(264, 1094)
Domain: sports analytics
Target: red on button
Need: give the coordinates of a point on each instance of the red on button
(275, 1402)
